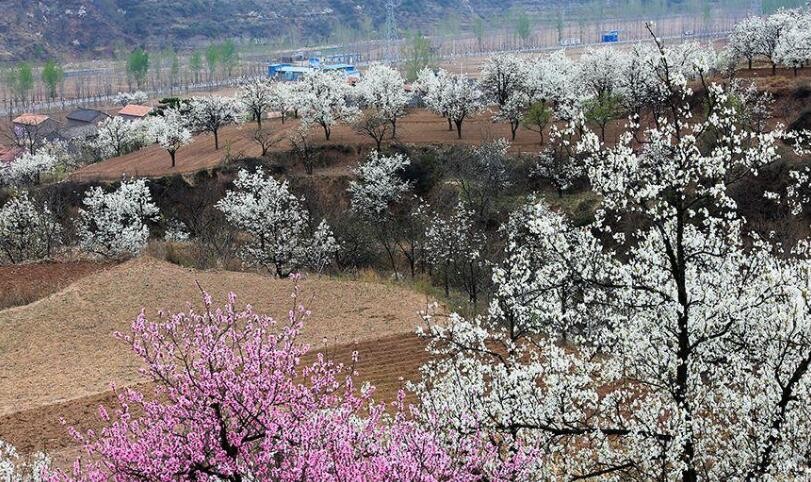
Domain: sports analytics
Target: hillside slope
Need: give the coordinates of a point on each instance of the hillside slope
(31, 29)
(62, 347)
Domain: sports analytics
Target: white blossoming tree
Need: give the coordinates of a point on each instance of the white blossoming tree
(124, 98)
(170, 131)
(15, 467)
(505, 80)
(454, 247)
(323, 98)
(382, 90)
(257, 97)
(774, 27)
(282, 239)
(379, 184)
(502, 76)
(431, 84)
(676, 348)
(113, 224)
(27, 169)
(378, 188)
(118, 136)
(455, 96)
(746, 39)
(558, 162)
(600, 70)
(283, 98)
(27, 232)
(793, 48)
(212, 113)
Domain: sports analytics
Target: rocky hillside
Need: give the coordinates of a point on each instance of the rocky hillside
(31, 29)
(70, 29)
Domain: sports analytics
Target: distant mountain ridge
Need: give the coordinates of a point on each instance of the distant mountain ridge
(38, 29)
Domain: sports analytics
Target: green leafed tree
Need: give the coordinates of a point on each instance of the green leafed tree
(228, 56)
(20, 81)
(196, 65)
(603, 109)
(52, 77)
(212, 58)
(523, 26)
(138, 67)
(537, 118)
(478, 31)
(418, 54)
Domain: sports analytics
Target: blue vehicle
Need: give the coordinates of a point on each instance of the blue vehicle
(611, 37)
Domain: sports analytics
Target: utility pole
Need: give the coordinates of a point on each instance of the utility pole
(392, 55)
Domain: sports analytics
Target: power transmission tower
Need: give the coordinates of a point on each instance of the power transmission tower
(392, 54)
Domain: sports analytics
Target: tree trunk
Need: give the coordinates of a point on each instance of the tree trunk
(326, 131)
(774, 68)
(172, 155)
(678, 262)
(216, 140)
(458, 128)
(750, 63)
(513, 129)
(393, 129)
(450, 125)
(258, 120)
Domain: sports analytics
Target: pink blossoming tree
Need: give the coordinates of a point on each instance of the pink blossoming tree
(234, 402)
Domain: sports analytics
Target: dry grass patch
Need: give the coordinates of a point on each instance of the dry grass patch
(61, 348)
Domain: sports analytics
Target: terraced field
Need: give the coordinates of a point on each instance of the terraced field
(59, 357)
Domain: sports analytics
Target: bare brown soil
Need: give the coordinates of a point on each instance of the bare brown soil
(61, 348)
(386, 363)
(418, 127)
(25, 283)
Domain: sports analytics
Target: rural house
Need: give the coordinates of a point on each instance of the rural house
(85, 117)
(31, 130)
(82, 124)
(40, 123)
(134, 112)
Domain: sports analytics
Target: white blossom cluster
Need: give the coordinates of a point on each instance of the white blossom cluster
(26, 231)
(27, 169)
(453, 96)
(126, 98)
(677, 348)
(282, 238)
(17, 468)
(453, 246)
(212, 113)
(170, 131)
(117, 136)
(782, 38)
(382, 89)
(323, 98)
(379, 184)
(114, 223)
